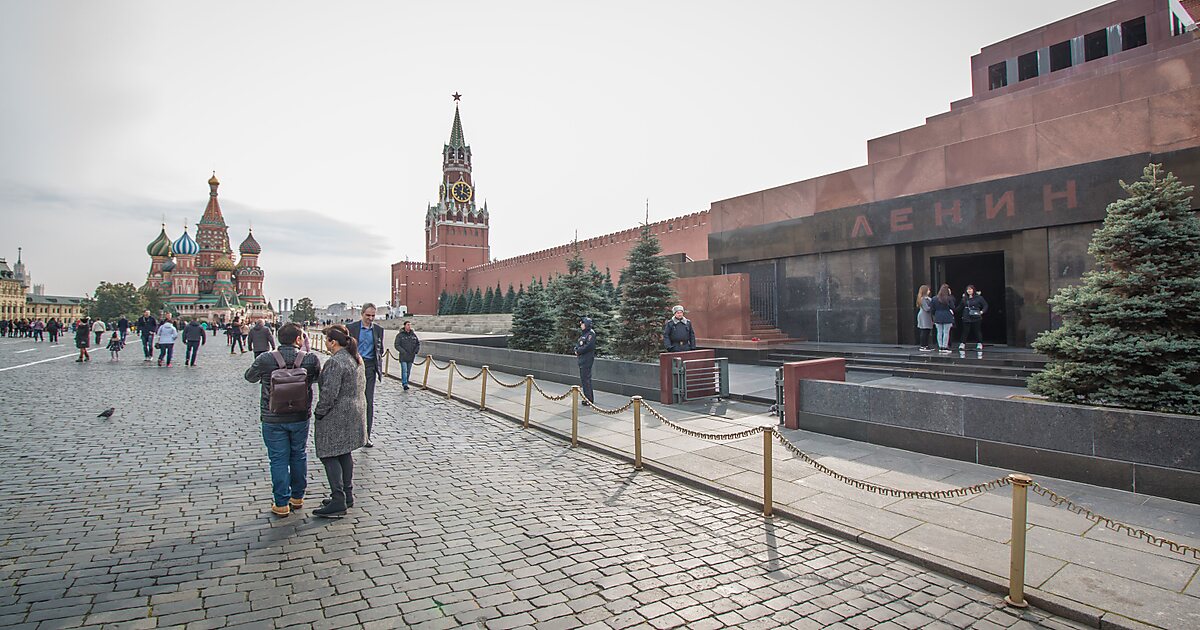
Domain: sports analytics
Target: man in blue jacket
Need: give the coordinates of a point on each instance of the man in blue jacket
(585, 350)
(370, 347)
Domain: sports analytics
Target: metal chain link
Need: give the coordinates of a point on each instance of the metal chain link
(464, 376)
(1133, 532)
(611, 412)
(492, 375)
(715, 437)
(440, 367)
(548, 396)
(978, 488)
(421, 362)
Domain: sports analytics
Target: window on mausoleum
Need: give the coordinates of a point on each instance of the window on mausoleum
(1095, 45)
(1060, 56)
(997, 75)
(1027, 66)
(1133, 33)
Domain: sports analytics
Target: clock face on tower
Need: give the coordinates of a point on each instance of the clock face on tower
(461, 192)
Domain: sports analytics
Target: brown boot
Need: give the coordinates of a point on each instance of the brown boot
(280, 510)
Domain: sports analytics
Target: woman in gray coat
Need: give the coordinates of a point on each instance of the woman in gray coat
(340, 424)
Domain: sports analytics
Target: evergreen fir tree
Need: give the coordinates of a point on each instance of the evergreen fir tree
(1131, 330)
(497, 300)
(577, 294)
(489, 301)
(646, 300)
(510, 300)
(474, 302)
(460, 304)
(609, 289)
(532, 321)
(444, 303)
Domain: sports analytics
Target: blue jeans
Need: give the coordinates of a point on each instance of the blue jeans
(943, 336)
(289, 463)
(405, 370)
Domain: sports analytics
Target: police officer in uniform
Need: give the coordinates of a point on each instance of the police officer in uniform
(678, 335)
(585, 350)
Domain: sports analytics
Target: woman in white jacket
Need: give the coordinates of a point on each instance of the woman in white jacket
(167, 334)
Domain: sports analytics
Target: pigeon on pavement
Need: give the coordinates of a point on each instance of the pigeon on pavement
(107, 413)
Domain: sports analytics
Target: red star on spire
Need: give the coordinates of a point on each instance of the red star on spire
(456, 96)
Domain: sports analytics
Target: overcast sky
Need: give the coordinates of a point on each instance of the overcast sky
(325, 121)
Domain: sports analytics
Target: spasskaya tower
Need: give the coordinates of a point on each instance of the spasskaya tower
(456, 227)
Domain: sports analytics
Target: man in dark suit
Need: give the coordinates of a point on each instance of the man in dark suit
(370, 347)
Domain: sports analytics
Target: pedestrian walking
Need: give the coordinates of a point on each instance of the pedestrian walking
(81, 340)
(53, 327)
(678, 334)
(340, 419)
(585, 351)
(167, 336)
(98, 328)
(261, 339)
(193, 337)
(146, 327)
(39, 327)
(943, 317)
(244, 331)
(924, 317)
(114, 347)
(233, 332)
(408, 346)
(369, 336)
(285, 433)
(123, 328)
(973, 307)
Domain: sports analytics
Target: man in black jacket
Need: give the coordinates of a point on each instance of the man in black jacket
(407, 347)
(370, 347)
(285, 434)
(146, 327)
(260, 338)
(678, 335)
(193, 336)
(585, 353)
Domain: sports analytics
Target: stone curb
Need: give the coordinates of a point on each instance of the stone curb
(1049, 602)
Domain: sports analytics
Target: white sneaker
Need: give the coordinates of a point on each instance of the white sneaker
(962, 346)
(979, 347)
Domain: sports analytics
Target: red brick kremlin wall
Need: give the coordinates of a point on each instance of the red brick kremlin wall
(687, 234)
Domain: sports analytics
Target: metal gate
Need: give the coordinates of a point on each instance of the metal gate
(764, 297)
(699, 378)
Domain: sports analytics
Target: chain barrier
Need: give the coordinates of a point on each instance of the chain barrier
(435, 364)
(978, 488)
(492, 375)
(415, 363)
(715, 437)
(1133, 532)
(565, 395)
(611, 412)
(464, 376)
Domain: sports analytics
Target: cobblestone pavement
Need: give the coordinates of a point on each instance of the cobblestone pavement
(158, 518)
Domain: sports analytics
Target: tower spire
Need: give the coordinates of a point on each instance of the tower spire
(456, 132)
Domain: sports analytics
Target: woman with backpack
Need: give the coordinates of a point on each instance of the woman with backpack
(340, 419)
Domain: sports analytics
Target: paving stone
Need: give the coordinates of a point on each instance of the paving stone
(529, 533)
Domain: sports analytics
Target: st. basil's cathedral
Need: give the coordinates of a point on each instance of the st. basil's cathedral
(197, 276)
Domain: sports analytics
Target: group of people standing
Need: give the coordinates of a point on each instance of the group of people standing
(37, 328)
(343, 418)
(940, 311)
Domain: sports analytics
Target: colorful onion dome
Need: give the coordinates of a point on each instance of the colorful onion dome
(223, 263)
(212, 181)
(185, 245)
(160, 246)
(169, 265)
(250, 246)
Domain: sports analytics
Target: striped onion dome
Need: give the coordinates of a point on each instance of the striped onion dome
(185, 245)
(169, 265)
(160, 246)
(250, 246)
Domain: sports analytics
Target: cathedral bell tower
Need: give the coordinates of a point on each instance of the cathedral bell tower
(456, 227)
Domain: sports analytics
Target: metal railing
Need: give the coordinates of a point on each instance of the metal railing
(699, 378)
(1021, 484)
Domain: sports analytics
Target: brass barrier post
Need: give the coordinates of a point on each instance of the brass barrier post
(450, 383)
(637, 432)
(768, 502)
(386, 360)
(483, 392)
(574, 416)
(528, 395)
(428, 362)
(1016, 562)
